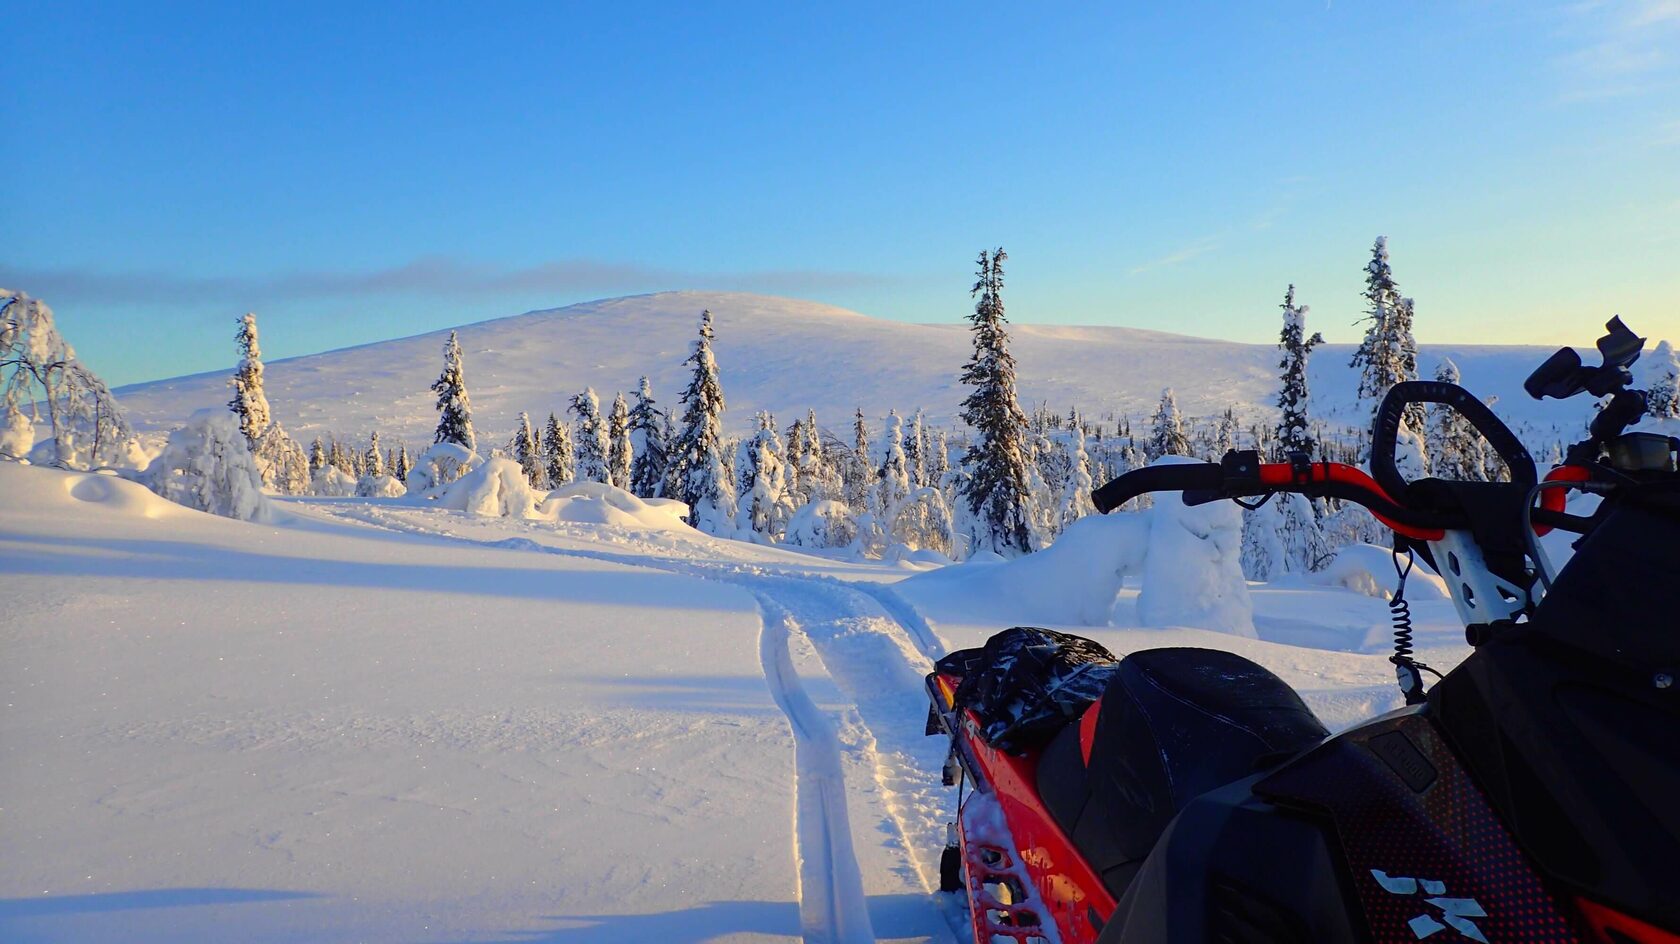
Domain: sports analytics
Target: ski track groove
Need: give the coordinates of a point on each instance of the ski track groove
(832, 904)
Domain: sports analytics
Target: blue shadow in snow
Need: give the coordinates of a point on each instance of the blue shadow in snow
(46, 905)
(891, 916)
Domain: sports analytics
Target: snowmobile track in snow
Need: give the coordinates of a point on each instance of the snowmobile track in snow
(832, 906)
(876, 648)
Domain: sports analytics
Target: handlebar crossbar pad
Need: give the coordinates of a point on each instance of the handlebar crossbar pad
(1181, 477)
(1385, 432)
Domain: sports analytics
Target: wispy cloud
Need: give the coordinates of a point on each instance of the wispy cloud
(1283, 201)
(428, 276)
(1200, 247)
(1626, 47)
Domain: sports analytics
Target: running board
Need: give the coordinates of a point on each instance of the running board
(1003, 901)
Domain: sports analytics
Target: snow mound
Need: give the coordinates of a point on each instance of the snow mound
(118, 495)
(1369, 569)
(380, 486)
(496, 489)
(1073, 582)
(818, 524)
(1192, 572)
(332, 482)
(441, 465)
(597, 503)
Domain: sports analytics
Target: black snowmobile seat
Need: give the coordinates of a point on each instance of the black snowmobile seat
(1172, 725)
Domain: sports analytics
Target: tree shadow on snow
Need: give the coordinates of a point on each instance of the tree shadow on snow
(187, 560)
(30, 919)
(893, 917)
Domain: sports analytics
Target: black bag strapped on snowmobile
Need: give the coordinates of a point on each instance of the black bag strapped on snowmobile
(1026, 683)
(1529, 795)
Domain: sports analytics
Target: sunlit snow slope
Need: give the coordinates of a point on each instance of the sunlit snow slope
(783, 355)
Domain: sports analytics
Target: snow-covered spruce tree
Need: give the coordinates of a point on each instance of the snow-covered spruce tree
(1075, 501)
(250, 402)
(1293, 430)
(207, 465)
(1388, 353)
(528, 452)
(557, 452)
(591, 446)
(999, 487)
(648, 445)
(797, 489)
(317, 456)
(1225, 433)
(455, 423)
(38, 368)
(764, 505)
(860, 470)
(402, 465)
(892, 481)
(915, 450)
(938, 458)
(701, 471)
(673, 475)
(817, 476)
(373, 461)
(1659, 375)
(1166, 430)
(619, 450)
(1455, 448)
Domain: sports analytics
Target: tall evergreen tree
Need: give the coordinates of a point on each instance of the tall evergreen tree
(1076, 491)
(1166, 430)
(892, 481)
(1660, 375)
(915, 450)
(1388, 353)
(373, 462)
(939, 459)
(702, 474)
(557, 452)
(764, 504)
(860, 471)
(1293, 426)
(998, 487)
(527, 451)
(591, 448)
(403, 464)
(249, 402)
(317, 456)
(1456, 450)
(619, 450)
(455, 423)
(647, 444)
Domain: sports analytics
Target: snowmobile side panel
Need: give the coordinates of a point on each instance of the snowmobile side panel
(1424, 849)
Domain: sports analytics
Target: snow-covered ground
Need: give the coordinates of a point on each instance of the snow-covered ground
(372, 721)
(788, 356)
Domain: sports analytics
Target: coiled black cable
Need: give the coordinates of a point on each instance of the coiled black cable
(1407, 670)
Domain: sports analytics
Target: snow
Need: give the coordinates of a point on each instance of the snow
(1192, 570)
(497, 488)
(384, 719)
(600, 503)
(1369, 569)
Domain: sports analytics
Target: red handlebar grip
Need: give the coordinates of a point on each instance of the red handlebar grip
(1284, 473)
(1556, 499)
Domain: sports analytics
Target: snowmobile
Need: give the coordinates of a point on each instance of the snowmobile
(1532, 793)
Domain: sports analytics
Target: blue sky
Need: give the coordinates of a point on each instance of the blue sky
(354, 172)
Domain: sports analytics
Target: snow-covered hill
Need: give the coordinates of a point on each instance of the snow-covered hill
(787, 355)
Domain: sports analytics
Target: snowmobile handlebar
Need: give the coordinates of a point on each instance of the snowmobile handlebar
(1243, 475)
(1385, 431)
